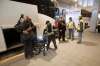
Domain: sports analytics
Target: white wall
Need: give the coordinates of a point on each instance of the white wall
(94, 17)
(9, 14)
(93, 21)
(2, 42)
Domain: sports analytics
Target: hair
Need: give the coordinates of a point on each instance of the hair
(70, 18)
(22, 15)
(80, 17)
(47, 22)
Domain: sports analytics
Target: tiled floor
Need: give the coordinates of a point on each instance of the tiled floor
(68, 54)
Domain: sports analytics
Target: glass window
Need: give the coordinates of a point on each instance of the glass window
(85, 3)
(90, 2)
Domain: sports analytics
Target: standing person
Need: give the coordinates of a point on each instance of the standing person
(50, 33)
(55, 28)
(62, 29)
(80, 29)
(27, 32)
(19, 24)
(71, 27)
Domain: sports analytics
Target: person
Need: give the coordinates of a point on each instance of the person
(80, 29)
(51, 36)
(71, 27)
(18, 26)
(27, 33)
(55, 25)
(62, 29)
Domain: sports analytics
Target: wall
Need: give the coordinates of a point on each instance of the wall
(9, 14)
(94, 17)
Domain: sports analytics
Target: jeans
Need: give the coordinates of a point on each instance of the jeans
(62, 35)
(28, 50)
(51, 38)
(80, 37)
(71, 34)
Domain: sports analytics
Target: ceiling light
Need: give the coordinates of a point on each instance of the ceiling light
(99, 15)
(75, 0)
(53, 0)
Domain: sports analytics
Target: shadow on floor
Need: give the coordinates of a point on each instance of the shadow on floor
(51, 53)
(20, 62)
(66, 41)
(89, 43)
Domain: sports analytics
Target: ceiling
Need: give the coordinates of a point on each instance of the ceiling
(68, 2)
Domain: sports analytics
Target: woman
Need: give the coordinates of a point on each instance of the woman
(27, 30)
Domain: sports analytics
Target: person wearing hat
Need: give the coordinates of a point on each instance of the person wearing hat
(51, 35)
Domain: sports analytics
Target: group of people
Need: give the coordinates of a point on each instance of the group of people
(60, 27)
(70, 26)
(28, 30)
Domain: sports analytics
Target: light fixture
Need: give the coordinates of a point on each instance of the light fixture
(84, 5)
(53, 0)
(99, 15)
(75, 0)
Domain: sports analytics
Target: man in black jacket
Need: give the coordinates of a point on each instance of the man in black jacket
(62, 29)
(27, 31)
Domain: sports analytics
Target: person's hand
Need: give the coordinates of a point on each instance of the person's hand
(29, 29)
(25, 32)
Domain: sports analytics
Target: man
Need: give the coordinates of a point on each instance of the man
(71, 27)
(27, 32)
(19, 24)
(50, 33)
(62, 29)
(80, 29)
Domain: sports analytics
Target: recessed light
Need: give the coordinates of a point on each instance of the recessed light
(99, 15)
(75, 0)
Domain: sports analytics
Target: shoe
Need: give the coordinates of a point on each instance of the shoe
(56, 48)
(78, 42)
(64, 40)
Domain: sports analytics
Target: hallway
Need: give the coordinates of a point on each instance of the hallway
(68, 54)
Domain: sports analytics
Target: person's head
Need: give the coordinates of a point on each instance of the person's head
(27, 18)
(80, 17)
(61, 18)
(47, 22)
(70, 18)
(22, 16)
